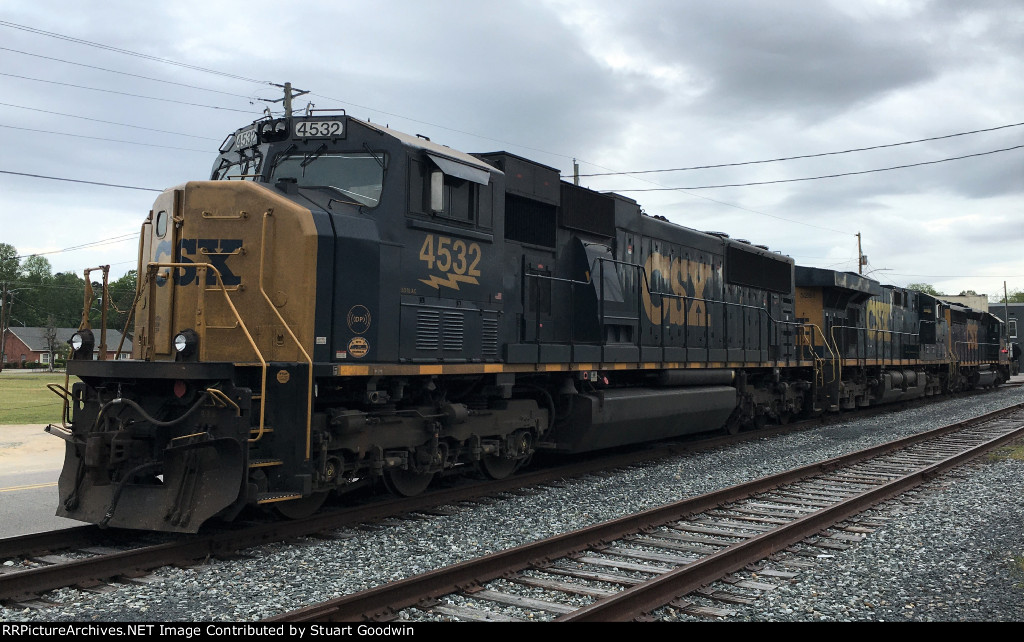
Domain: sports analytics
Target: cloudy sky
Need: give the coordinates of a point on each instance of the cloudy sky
(139, 99)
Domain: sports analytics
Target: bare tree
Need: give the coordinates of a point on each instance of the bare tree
(50, 334)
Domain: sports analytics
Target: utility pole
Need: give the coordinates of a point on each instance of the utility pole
(5, 320)
(1006, 312)
(575, 173)
(861, 259)
(289, 94)
(3, 325)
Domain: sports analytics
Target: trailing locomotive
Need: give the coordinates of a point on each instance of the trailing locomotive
(342, 302)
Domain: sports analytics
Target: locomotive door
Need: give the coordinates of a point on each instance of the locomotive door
(161, 246)
(536, 323)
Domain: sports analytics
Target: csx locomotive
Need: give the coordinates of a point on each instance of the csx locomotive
(342, 303)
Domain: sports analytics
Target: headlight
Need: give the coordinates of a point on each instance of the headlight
(185, 343)
(82, 343)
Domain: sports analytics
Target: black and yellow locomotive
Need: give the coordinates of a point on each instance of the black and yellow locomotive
(344, 303)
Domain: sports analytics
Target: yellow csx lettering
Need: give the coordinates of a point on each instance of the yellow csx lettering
(683, 277)
(455, 259)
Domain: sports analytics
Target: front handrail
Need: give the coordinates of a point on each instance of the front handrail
(201, 268)
(104, 303)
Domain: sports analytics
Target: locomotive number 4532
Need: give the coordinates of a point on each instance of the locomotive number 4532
(451, 256)
(318, 129)
(457, 261)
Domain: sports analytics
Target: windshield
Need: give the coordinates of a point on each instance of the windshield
(359, 176)
(245, 167)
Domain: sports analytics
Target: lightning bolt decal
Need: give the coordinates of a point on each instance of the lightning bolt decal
(452, 281)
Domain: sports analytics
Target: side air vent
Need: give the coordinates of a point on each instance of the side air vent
(453, 330)
(428, 330)
(489, 337)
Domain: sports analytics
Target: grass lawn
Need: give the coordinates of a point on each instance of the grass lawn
(24, 398)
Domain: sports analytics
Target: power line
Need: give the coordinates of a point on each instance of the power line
(450, 129)
(124, 73)
(123, 93)
(788, 158)
(128, 52)
(72, 180)
(815, 178)
(960, 276)
(109, 140)
(106, 122)
(115, 239)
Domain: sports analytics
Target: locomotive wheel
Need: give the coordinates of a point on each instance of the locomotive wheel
(300, 508)
(495, 467)
(406, 483)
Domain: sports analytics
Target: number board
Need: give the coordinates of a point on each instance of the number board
(319, 129)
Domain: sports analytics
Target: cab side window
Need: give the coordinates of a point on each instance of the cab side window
(435, 193)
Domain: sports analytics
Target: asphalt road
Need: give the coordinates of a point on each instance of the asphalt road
(30, 462)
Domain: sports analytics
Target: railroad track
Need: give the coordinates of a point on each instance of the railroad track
(629, 567)
(91, 558)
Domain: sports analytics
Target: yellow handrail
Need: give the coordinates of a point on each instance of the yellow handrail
(201, 268)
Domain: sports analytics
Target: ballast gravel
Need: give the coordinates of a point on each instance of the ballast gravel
(952, 551)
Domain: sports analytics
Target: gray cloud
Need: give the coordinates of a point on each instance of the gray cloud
(622, 86)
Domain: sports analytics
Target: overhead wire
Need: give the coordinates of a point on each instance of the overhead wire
(819, 155)
(109, 140)
(124, 93)
(107, 241)
(72, 180)
(136, 54)
(124, 73)
(106, 122)
(660, 188)
(817, 178)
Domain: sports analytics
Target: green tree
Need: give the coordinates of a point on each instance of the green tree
(8, 263)
(50, 334)
(63, 299)
(31, 291)
(122, 295)
(926, 288)
(1016, 296)
(36, 267)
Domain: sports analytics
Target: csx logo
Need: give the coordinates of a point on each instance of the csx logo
(216, 252)
(687, 279)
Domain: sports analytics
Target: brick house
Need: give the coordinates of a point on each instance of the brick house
(28, 345)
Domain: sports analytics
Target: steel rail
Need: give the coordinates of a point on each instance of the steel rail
(34, 581)
(635, 601)
(384, 601)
